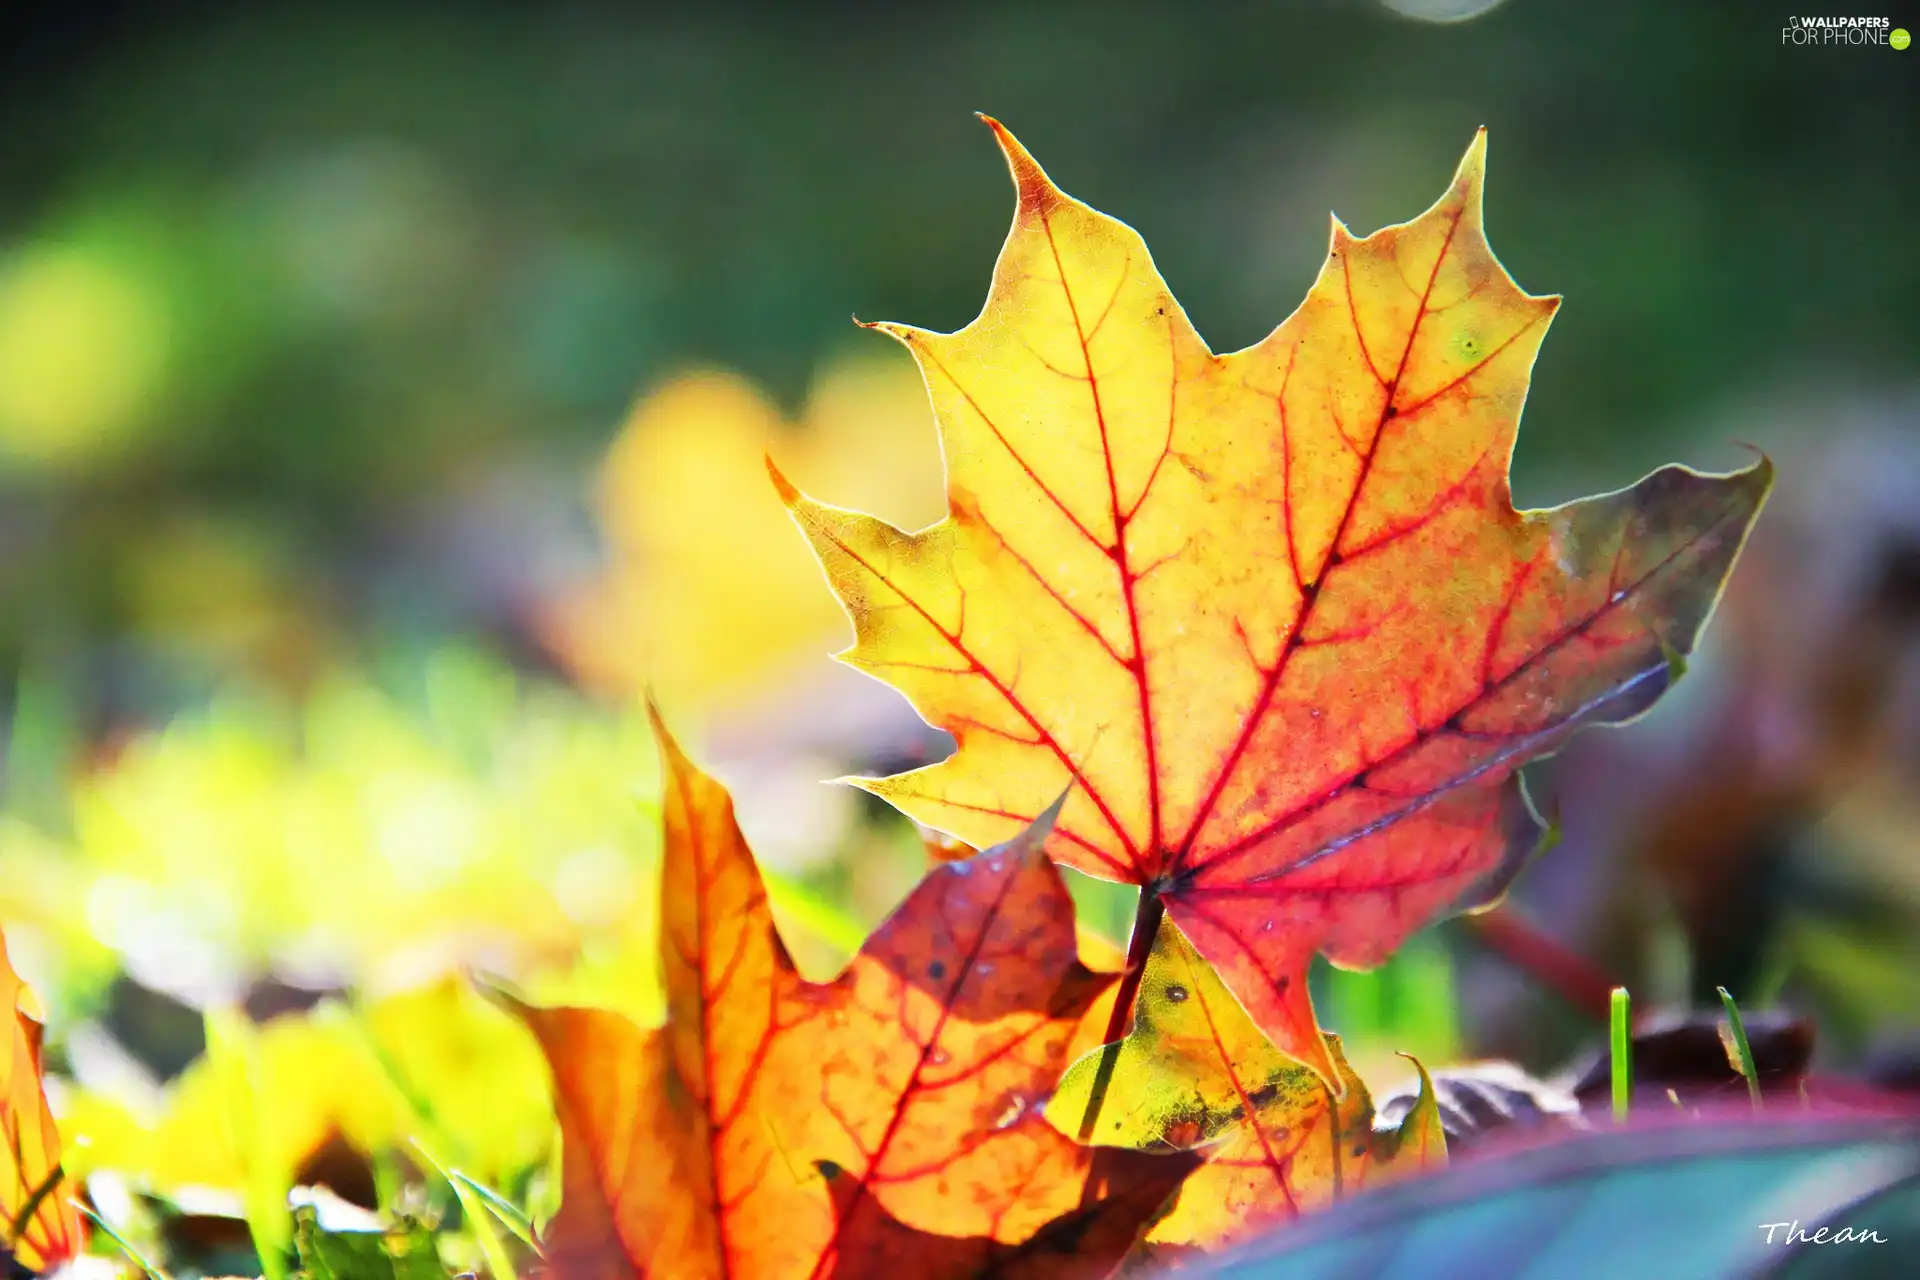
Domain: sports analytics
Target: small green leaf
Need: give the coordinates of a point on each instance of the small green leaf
(1743, 1052)
(1421, 1139)
(504, 1209)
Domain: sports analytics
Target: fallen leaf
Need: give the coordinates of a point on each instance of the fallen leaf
(1085, 1243)
(760, 1129)
(1479, 1100)
(1195, 1073)
(38, 1222)
(1273, 613)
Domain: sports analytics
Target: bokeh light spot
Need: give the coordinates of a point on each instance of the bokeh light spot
(1440, 10)
(83, 348)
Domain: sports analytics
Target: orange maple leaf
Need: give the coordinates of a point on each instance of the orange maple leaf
(777, 1127)
(37, 1219)
(1273, 613)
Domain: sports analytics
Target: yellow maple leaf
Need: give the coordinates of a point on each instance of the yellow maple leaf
(1271, 614)
(1195, 1073)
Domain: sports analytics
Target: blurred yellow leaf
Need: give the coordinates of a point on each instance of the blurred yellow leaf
(709, 597)
(310, 1077)
(438, 1064)
(353, 840)
(474, 1082)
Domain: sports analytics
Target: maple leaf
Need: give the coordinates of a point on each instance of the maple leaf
(1273, 613)
(778, 1127)
(37, 1219)
(1195, 1073)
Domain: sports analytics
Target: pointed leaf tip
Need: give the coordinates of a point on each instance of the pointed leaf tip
(501, 994)
(1471, 175)
(1030, 842)
(658, 723)
(1043, 825)
(1419, 1142)
(781, 485)
(1761, 468)
(1035, 188)
(673, 758)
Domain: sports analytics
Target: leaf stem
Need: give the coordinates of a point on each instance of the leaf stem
(1146, 926)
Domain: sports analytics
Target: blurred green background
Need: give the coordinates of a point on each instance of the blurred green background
(319, 324)
(331, 305)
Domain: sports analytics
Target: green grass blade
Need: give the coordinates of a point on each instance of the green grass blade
(133, 1255)
(1744, 1049)
(231, 1055)
(492, 1247)
(1620, 1038)
(430, 1141)
(504, 1209)
(476, 1211)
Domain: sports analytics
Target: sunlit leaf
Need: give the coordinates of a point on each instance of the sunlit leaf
(1196, 1074)
(762, 1128)
(1272, 613)
(37, 1221)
